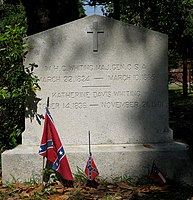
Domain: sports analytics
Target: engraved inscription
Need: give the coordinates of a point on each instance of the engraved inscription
(71, 95)
(78, 73)
(120, 104)
(100, 90)
(96, 94)
(67, 79)
(98, 67)
(75, 105)
(120, 77)
(105, 105)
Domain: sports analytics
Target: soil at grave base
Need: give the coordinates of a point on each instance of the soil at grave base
(102, 190)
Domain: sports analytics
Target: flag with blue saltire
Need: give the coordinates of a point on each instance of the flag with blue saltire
(157, 175)
(91, 170)
(51, 148)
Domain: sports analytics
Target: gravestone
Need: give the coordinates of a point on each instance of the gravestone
(110, 78)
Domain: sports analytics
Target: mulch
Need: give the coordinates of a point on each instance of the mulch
(145, 189)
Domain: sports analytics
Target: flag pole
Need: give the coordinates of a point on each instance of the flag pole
(48, 102)
(43, 164)
(151, 168)
(43, 169)
(89, 143)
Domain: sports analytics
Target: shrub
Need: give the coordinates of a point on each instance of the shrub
(16, 84)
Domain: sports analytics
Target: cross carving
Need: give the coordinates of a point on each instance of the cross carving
(95, 30)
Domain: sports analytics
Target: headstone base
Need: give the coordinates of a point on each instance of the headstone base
(134, 160)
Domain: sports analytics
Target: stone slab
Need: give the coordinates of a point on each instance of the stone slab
(101, 75)
(113, 161)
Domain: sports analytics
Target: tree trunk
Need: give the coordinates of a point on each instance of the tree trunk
(45, 14)
(185, 81)
(116, 9)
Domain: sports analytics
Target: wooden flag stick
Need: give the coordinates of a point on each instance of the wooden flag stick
(151, 168)
(43, 164)
(43, 169)
(48, 102)
(89, 143)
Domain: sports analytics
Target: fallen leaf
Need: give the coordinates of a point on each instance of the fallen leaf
(111, 186)
(86, 194)
(59, 186)
(148, 145)
(62, 197)
(118, 197)
(144, 190)
(2, 190)
(68, 189)
(101, 187)
(124, 185)
(37, 188)
(159, 188)
(24, 194)
(140, 194)
(127, 194)
(60, 190)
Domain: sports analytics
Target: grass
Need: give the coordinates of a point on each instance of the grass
(181, 115)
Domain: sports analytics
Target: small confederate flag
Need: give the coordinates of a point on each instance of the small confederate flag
(51, 148)
(91, 170)
(157, 175)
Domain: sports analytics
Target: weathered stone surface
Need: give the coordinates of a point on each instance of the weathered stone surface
(134, 160)
(104, 76)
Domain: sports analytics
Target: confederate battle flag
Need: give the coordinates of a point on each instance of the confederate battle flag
(157, 175)
(91, 170)
(51, 148)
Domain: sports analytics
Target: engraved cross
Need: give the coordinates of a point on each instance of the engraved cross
(95, 30)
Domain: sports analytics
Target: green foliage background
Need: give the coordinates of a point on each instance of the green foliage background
(16, 83)
(172, 17)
